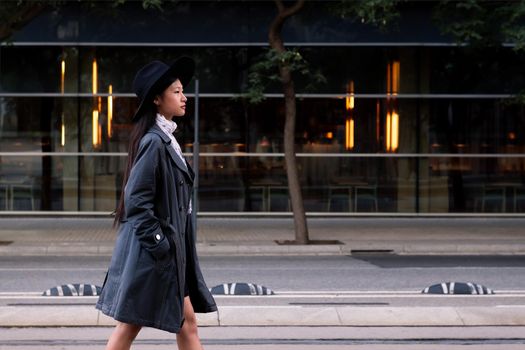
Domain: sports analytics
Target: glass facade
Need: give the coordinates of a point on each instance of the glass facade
(395, 129)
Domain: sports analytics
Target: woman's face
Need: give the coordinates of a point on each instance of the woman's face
(172, 102)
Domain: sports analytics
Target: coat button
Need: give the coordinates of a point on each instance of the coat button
(181, 182)
(157, 237)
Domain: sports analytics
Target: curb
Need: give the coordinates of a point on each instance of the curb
(85, 316)
(349, 248)
(207, 249)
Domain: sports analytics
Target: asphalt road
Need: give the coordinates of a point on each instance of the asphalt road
(361, 280)
(376, 273)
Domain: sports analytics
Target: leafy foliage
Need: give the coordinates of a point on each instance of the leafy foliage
(513, 27)
(265, 71)
(464, 20)
(379, 13)
(483, 23)
(151, 4)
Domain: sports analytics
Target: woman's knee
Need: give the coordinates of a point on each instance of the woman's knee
(190, 326)
(128, 331)
(190, 320)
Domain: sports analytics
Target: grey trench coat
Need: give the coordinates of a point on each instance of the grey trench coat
(155, 254)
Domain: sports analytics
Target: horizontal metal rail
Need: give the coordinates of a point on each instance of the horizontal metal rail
(268, 95)
(289, 214)
(276, 155)
(237, 44)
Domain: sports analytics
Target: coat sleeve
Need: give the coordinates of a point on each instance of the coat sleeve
(140, 194)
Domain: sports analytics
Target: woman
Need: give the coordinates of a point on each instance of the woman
(154, 278)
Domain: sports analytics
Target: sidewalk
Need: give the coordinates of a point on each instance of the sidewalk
(258, 236)
(355, 316)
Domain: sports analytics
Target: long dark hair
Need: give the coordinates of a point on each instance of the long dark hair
(140, 127)
(142, 124)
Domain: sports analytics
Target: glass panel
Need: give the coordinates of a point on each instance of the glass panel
(55, 183)
(101, 181)
(358, 184)
(38, 124)
(329, 184)
(323, 126)
(222, 183)
(36, 183)
(461, 126)
(372, 70)
(74, 69)
(472, 185)
(105, 123)
(436, 70)
(217, 68)
(473, 126)
(455, 70)
(447, 126)
(228, 125)
(37, 69)
(362, 184)
(365, 66)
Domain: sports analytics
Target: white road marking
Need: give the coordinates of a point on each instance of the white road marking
(512, 306)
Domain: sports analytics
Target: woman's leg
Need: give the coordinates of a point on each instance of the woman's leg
(122, 336)
(188, 337)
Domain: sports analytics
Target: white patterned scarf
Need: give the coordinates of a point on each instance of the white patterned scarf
(169, 127)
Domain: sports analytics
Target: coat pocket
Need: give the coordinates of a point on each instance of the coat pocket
(158, 263)
(164, 263)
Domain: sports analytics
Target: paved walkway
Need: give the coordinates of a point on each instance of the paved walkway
(259, 236)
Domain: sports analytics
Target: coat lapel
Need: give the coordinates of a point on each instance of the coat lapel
(183, 166)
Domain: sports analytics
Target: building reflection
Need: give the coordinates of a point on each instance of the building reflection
(413, 140)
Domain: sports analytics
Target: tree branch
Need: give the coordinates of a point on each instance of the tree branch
(23, 15)
(280, 5)
(274, 37)
(290, 11)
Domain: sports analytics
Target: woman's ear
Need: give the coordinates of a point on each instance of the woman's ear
(156, 101)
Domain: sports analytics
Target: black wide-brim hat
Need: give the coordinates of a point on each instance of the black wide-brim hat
(148, 77)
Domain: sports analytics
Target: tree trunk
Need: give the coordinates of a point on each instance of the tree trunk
(296, 197)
